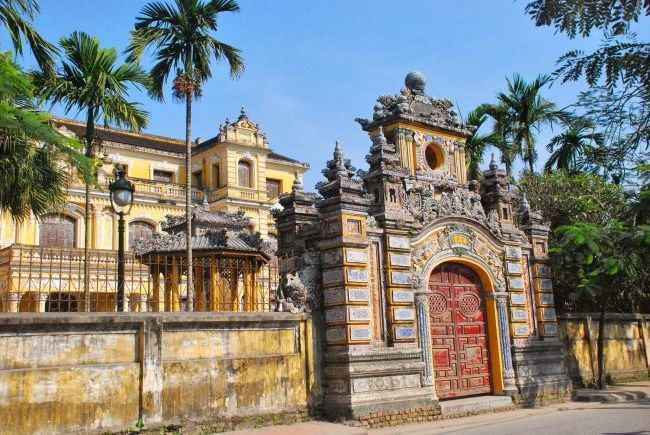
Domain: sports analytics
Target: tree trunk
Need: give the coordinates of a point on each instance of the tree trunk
(530, 161)
(188, 198)
(90, 153)
(601, 345)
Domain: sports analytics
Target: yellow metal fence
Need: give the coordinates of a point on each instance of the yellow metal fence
(38, 279)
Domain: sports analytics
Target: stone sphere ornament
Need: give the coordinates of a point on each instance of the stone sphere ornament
(415, 81)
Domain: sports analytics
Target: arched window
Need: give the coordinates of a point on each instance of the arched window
(56, 230)
(244, 173)
(139, 230)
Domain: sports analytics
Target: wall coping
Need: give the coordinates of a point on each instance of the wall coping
(25, 319)
(608, 316)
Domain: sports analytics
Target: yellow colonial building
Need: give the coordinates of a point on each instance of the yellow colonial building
(235, 174)
(236, 170)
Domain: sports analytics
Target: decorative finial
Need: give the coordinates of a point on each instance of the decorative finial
(340, 160)
(415, 81)
(243, 111)
(380, 136)
(205, 199)
(227, 120)
(493, 164)
(525, 206)
(297, 183)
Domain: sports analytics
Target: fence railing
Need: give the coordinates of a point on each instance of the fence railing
(38, 279)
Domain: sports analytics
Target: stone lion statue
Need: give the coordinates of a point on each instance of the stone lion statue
(292, 294)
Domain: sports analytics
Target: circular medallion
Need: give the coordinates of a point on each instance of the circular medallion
(469, 304)
(438, 303)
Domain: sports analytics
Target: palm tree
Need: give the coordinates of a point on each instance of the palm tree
(528, 111)
(476, 145)
(15, 16)
(180, 33)
(568, 146)
(31, 149)
(501, 135)
(89, 80)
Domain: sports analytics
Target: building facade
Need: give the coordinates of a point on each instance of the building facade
(236, 169)
(42, 260)
(433, 287)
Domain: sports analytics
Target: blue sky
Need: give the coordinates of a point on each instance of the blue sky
(314, 66)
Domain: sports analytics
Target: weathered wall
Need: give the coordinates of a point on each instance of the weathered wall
(63, 372)
(627, 345)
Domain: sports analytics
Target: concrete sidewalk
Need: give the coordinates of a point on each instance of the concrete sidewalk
(615, 393)
(623, 392)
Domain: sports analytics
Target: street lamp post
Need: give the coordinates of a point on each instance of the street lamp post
(121, 191)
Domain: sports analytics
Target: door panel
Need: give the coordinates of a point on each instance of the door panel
(458, 332)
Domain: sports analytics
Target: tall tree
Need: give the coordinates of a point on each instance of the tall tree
(501, 135)
(528, 112)
(604, 263)
(16, 15)
(89, 80)
(478, 143)
(180, 34)
(31, 150)
(569, 147)
(618, 72)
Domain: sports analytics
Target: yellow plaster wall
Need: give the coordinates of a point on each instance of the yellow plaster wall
(77, 381)
(86, 372)
(626, 346)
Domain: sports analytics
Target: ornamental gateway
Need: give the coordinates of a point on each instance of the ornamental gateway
(427, 286)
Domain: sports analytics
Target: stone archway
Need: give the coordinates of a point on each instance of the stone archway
(459, 332)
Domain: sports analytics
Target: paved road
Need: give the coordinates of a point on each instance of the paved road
(629, 418)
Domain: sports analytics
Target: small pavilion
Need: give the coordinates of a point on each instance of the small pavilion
(230, 263)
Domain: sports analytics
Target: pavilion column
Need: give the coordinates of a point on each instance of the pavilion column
(199, 294)
(234, 287)
(249, 290)
(156, 289)
(175, 287)
(214, 284)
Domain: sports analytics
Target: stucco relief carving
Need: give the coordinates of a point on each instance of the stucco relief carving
(426, 204)
(164, 166)
(459, 240)
(385, 383)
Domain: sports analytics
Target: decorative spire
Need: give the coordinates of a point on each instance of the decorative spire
(243, 114)
(341, 170)
(525, 206)
(493, 164)
(339, 167)
(380, 136)
(297, 183)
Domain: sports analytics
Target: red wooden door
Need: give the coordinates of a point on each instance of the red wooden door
(458, 332)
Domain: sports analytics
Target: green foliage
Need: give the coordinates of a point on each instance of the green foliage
(89, 80)
(601, 263)
(581, 17)
(15, 16)
(570, 148)
(618, 73)
(180, 33)
(518, 116)
(564, 198)
(31, 150)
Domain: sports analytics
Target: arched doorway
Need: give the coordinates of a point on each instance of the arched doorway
(459, 335)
